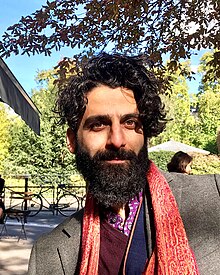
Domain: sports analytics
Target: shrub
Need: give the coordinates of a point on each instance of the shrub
(202, 164)
(205, 164)
(161, 158)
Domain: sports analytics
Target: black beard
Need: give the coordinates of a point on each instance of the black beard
(113, 185)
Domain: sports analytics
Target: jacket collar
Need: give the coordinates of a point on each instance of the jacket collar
(168, 176)
(69, 245)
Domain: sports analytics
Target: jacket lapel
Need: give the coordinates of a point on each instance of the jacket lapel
(68, 248)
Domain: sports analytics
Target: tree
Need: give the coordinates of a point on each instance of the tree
(154, 28)
(218, 140)
(207, 67)
(197, 129)
(209, 102)
(5, 136)
(180, 125)
(45, 154)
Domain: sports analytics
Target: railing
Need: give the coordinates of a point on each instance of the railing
(58, 197)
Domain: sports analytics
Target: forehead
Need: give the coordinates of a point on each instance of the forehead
(103, 99)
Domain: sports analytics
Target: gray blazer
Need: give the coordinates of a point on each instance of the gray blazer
(197, 196)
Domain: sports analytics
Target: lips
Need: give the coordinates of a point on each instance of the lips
(116, 160)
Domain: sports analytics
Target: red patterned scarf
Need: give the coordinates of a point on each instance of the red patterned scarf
(171, 255)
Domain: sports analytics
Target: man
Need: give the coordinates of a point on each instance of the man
(131, 223)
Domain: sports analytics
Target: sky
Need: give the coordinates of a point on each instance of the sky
(25, 68)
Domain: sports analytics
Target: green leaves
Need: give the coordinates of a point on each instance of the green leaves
(5, 136)
(44, 154)
(201, 164)
(198, 129)
(24, 152)
(154, 28)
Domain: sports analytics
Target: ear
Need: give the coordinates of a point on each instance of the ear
(71, 140)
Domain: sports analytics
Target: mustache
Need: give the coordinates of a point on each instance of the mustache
(121, 154)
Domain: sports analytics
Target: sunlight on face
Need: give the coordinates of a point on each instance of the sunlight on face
(111, 120)
(188, 168)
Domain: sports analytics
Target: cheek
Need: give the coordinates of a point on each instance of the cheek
(136, 143)
(188, 168)
(93, 142)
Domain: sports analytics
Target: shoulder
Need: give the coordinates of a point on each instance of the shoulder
(195, 192)
(198, 201)
(59, 248)
(68, 229)
(208, 184)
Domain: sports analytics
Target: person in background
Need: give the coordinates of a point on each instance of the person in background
(2, 205)
(2, 209)
(131, 223)
(180, 163)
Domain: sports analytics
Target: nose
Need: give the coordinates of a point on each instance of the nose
(116, 137)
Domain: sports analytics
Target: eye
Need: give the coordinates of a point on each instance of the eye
(131, 123)
(134, 123)
(97, 126)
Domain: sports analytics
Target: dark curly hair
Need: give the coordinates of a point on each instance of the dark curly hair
(113, 71)
(179, 162)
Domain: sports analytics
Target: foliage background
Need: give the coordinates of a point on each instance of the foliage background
(175, 29)
(155, 29)
(23, 152)
(202, 164)
(46, 154)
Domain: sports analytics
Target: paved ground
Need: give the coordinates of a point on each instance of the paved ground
(15, 254)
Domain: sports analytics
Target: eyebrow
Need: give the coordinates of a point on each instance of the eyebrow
(106, 119)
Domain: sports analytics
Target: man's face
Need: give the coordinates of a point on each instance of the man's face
(111, 121)
(109, 146)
